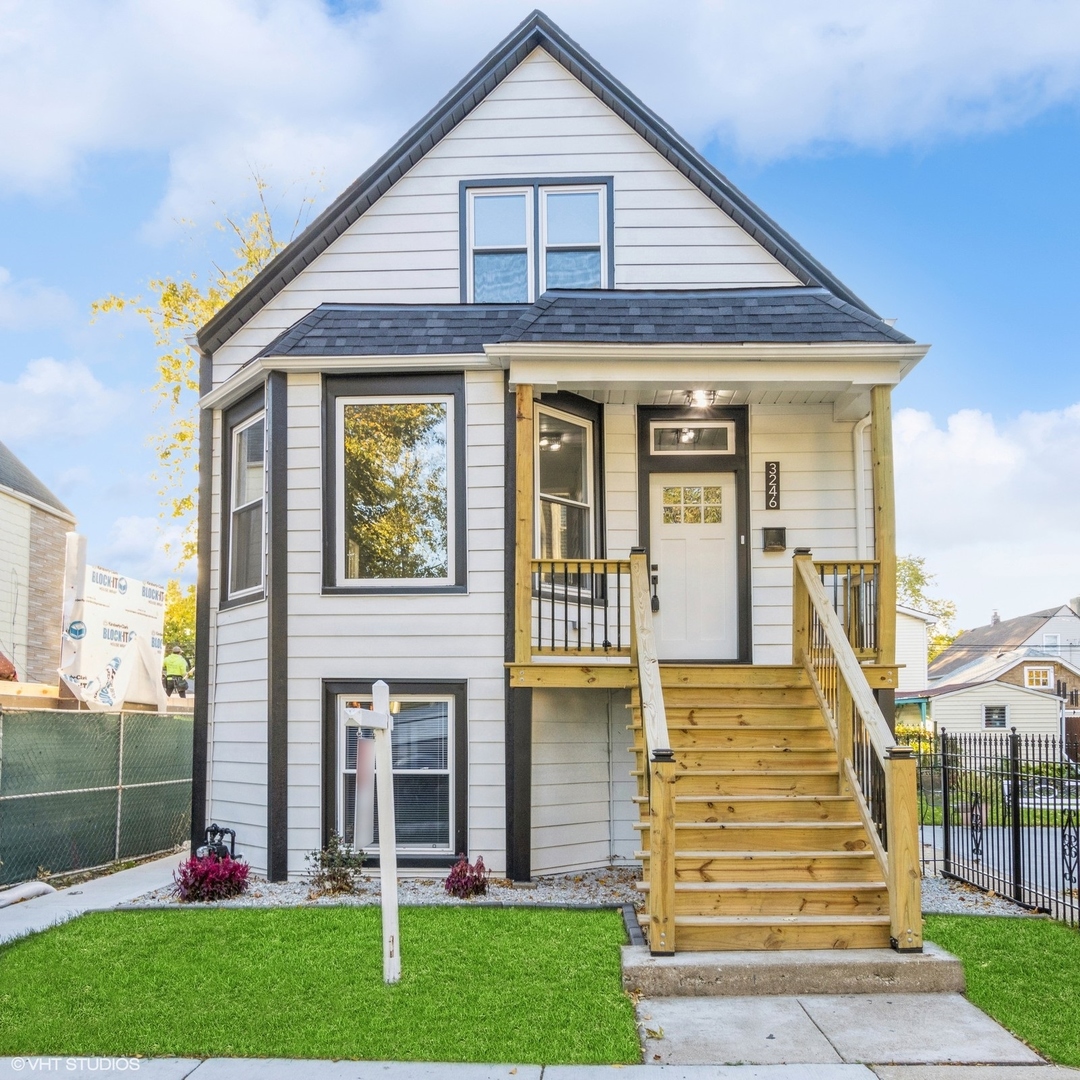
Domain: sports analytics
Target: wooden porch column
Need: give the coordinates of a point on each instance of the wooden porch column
(881, 447)
(523, 538)
(905, 884)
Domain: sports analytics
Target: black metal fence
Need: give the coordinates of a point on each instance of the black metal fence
(1001, 811)
(79, 790)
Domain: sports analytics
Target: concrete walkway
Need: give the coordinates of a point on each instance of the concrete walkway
(98, 894)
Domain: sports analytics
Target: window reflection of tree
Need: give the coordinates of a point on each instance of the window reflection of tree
(396, 490)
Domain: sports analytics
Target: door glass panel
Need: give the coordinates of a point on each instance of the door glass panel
(692, 505)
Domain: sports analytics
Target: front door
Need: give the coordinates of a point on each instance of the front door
(694, 545)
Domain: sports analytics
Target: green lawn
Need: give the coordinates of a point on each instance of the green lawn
(478, 984)
(1024, 972)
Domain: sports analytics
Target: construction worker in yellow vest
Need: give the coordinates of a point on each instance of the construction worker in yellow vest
(175, 672)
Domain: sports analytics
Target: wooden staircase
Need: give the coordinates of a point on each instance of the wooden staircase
(769, 853)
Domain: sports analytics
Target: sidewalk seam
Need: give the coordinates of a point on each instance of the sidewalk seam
(836, 1049)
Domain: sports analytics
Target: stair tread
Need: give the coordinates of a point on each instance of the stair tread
(718, 825)
(771, 886)
(772, 920)
(757, 853)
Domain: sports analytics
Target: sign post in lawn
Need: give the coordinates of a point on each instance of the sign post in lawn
(381, 721)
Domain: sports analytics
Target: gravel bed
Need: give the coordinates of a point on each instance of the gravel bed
(943, 896)
(591, 888)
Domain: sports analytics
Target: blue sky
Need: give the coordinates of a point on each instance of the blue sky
(926, 155)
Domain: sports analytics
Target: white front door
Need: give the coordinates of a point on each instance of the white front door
(694, 544)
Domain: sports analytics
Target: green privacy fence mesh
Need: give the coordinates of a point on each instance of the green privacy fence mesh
(79, 789)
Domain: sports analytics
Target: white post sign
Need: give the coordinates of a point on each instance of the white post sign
(368, 765)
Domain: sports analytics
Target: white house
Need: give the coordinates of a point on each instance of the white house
(540, 333)
(33, 524)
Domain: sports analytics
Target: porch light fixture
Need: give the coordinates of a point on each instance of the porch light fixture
(700, 399)
(547, 443)
(686, 435)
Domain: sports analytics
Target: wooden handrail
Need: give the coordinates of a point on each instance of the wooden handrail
(653, 714)
(879, 773)
(659, 766)
(847, 664)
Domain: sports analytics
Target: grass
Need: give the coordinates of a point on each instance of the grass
(1023, 972)
(478, 984)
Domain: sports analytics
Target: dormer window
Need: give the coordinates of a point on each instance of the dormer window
(519, 240)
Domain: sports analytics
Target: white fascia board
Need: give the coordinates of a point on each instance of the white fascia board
(252, 374)
(36, 503)
(695, 372)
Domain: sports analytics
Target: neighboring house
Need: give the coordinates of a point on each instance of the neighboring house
(1023, 688)
(912, 647)
(1052, 632)
(540, 332)
(33, 524)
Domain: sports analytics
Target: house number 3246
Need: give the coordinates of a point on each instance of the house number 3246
(772, 485)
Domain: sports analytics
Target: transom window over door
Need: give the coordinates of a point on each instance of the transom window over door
(564, 485)
(519, 240)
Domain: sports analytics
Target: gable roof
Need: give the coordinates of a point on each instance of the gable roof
(537, 31)
(16, 477)
(997, 637)
(594, 315)
(991, 666)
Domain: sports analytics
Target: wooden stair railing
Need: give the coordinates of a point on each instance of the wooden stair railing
(659, 762)
(879, 773)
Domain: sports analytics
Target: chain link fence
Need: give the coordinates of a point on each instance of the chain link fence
(80, 790)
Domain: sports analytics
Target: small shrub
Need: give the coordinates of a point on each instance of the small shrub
(336, 869)
(210, 878)
(464, 880)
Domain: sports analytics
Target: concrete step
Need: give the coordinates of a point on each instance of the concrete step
(795, 972)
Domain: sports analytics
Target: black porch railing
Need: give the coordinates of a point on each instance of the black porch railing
(1001, 811)
(581, 607)
(852, 589)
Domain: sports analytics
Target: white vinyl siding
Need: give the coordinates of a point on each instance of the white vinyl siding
(582, 809)
(539, 122)
(236, 692)
(817, 506)
(621, 479)
(430, 636)
(1031, 712)
(911, 635)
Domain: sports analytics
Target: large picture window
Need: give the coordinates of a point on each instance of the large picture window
(564, 485)
(396, 473)
(519, 240)
(396, 489)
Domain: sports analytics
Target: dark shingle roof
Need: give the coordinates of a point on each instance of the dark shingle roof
(713, 316)
(15, 476)
(718, 316)
(396, 330)
(1001, 636)
(536, 31)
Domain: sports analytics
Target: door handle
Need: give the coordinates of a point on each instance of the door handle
(655, 598)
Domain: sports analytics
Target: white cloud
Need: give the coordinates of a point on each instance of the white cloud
(55, 400)
(142, 548)
(287, 87)
(993, 505)
(28, 303)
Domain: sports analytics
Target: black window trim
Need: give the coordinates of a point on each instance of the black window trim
(455, 688)
(232, 418)
(404, 386)
(536, 183)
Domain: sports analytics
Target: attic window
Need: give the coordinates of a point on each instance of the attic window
(1039, 678)
(522, 239)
